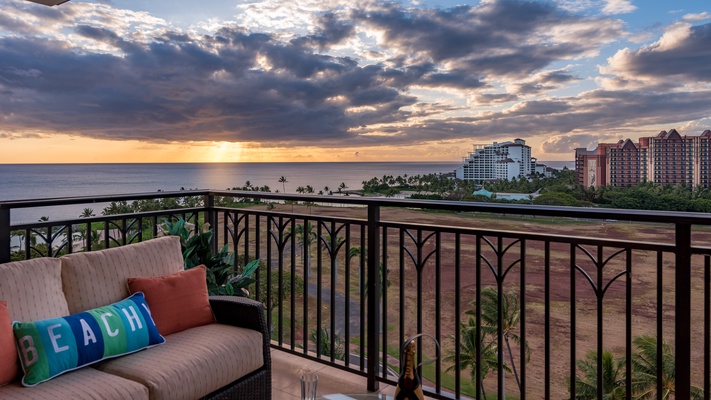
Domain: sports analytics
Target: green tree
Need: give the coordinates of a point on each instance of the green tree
(118, 207)
(272, 292)
(305, 237)
(332, 245)
(382, 273)
(644, 370)
(511, 317)
(556, 199)
(613, 380)
(467, 353)
(82, 229)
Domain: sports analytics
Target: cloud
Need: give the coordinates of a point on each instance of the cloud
(680, 57)
(618, 7)
(289, 17)
(496, 39)
(489, 98)
(566, 144)
(697, 17)
(434, 75)
(543, 82)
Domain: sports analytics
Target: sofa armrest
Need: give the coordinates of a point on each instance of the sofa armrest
(239, 311)
(244, 313)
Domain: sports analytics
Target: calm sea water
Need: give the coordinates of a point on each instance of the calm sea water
(34, 181)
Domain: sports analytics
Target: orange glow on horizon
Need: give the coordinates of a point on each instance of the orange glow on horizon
(70, 149)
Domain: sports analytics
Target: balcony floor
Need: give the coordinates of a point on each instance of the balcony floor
(286, 385)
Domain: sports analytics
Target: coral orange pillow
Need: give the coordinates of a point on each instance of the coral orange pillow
(178, 301)
(8, 351)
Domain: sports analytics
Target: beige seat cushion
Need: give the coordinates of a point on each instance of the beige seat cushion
(192, 363)
(97, 278)
(33, 289)
(83, 384)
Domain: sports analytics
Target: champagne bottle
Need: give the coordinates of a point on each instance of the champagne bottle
(409, 386)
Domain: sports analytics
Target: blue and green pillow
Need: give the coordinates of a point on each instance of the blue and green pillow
(51, 347)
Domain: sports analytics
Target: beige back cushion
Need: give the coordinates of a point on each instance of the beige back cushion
(33, 289)
(97, 278)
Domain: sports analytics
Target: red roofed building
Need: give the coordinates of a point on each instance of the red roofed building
(665, 159)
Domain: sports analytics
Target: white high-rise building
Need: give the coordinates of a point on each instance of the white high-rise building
(507, 160)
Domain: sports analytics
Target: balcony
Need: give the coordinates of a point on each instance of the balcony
(347, 279)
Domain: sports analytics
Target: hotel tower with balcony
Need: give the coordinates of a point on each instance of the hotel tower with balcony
(499, 161)
(665, 159)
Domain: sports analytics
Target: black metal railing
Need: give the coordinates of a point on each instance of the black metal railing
(518, 296)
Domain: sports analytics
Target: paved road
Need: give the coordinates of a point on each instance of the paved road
(340, 305)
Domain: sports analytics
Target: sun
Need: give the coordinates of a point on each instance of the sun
(226, 152)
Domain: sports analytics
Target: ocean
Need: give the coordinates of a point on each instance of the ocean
(36, 181)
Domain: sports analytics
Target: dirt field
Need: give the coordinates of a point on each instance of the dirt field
(514, 267)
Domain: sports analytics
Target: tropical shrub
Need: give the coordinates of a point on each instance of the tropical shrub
(222, 276)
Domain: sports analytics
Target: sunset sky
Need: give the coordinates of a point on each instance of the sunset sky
(344, 80)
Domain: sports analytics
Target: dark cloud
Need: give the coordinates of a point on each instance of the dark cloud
(543, 82)
(499, 38)
(598, 111)
(487, 98)
(178, 89)
(242, 86)
(330, 30)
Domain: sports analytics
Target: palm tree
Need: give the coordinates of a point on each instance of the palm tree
(342, 187)
(327, 190)
(613, 381)
(283, 182)
(331, 244)
(644, 370)
(383, 274)
(510, 318)
(20, 235)
(309, 205)
(86, 213)
(305, 236)
(467, 353)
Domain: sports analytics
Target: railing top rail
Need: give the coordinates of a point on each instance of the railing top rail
(496, 208)
(105, 198)
(105, 218)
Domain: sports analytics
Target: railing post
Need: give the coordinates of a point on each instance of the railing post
(373, 295)
(682, 312)
(4, 235)
(209, 204)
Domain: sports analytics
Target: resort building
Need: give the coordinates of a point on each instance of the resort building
(665, 159)
(541, 169)
(507, 160)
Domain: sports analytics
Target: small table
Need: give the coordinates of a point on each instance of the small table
(370, 396)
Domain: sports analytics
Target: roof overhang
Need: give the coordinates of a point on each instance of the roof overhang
(49, 2)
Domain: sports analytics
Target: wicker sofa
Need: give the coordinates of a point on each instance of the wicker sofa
(229, 359)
